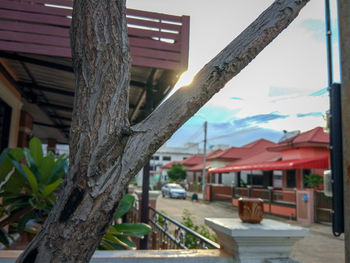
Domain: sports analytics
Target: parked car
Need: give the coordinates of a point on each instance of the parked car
(174, 191)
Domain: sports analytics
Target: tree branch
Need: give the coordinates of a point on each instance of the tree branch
(185, 102)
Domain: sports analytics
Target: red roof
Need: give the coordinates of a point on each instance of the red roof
(214, 153)
(168, 165)
(193, 160)
(199, 167)
(308, 163)
(315, 135)
(259, 158)
(245, 151)
(312, 138)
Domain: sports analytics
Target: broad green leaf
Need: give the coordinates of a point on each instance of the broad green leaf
(10, 199)
(50, 154)
(36, 150)
(57, 172)
(108, 245)
(125, 205)
(17, 153)
(62, 156)
(5, 163)
(3, 155)
(15, 184)
(23, 222)
(31, 179)
(127, 241)
(46, 167)
(3, 238)
(113, 239)
(19, 205)
(19, 168)
(135, 230)
(30, 162)
(49, 189)
(27, 173)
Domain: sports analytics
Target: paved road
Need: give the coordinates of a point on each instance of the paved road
(319, 247)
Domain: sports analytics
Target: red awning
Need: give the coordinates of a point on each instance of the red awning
(308, 163)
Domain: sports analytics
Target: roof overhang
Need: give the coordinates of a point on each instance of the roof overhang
(308, 163)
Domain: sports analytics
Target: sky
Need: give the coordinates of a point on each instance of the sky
(283, 88)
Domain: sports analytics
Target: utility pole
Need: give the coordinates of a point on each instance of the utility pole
(329, 43)
(344, 38)
(335, 134)
(204, 159)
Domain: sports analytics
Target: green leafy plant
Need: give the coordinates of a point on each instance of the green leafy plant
(118, 234)
(28, 182)
(177, 172)
(243, 183)
(190, 240)
(313, 180)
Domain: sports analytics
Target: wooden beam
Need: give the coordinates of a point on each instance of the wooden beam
(55, 106)
(35, 61)
(47, 89)
(60, 118)
(51, 125)
(138, 84)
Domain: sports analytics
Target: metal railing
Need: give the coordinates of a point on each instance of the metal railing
(169, 234)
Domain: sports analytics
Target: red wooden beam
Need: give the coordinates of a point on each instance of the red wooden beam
(35, 49)
(35, 39)
(151, 33)
(185, 40)
(156, 54)
(37, 18)
(41, 9)
(153, 24)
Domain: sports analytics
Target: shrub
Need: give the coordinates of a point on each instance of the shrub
(177, 172)
(190, 240)
(313, 180)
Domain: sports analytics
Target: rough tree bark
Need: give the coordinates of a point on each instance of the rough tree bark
(105, 151)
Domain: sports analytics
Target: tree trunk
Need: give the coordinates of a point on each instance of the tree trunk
(105, 152)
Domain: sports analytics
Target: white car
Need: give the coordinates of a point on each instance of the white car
(174, 191)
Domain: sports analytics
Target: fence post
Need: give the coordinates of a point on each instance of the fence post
(154, 240)
(249, 191)
(164, 245)
(270, 188)
(210, 192)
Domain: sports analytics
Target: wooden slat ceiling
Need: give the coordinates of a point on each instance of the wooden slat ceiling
(35, 56)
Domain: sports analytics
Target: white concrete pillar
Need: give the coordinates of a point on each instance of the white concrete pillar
(256, 243)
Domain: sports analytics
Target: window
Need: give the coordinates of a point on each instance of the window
(155, 157)
(255, 179)
(220, 178)
(291, 179)
(166, 158)
(5, 120)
